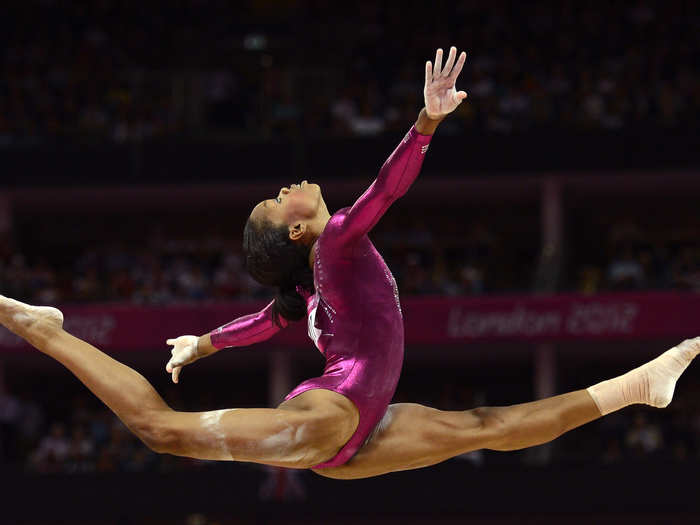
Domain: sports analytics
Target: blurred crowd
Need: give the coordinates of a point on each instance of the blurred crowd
(44, 438)
(120, 72)
(443, 258)
(638, 258)
(427, 257)
(78, 435)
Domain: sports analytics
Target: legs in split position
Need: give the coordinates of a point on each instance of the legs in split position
(313, 426)
(302, 432)
(413, 436)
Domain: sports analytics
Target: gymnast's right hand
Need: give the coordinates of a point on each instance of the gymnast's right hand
(184, 352)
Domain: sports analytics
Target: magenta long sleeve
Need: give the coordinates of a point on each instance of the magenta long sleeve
(394, 178)
(247, 330)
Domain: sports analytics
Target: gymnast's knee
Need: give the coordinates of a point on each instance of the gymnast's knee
(490, 424)
(155, 431)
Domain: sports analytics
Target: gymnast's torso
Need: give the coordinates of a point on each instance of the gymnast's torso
(354, 318)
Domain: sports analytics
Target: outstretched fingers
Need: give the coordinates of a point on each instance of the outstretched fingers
(437, 70)
(458, 67)
(450, 71)
(450, 61)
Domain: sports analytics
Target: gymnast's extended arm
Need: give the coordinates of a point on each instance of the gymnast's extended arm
(403, 165)
(243, 331)
(395, 177)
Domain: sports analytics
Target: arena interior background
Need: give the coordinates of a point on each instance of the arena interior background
(551, 240)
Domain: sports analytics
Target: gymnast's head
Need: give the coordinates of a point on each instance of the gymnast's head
(277, 241)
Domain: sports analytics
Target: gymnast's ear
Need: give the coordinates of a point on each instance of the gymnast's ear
(297, 230)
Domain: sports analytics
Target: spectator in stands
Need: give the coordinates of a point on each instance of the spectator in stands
(52, 451)
(644, 437)
(10, 414)
(625, 271)
(80, 451)
(685, 269)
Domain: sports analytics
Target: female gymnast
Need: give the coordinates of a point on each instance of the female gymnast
(340, 424)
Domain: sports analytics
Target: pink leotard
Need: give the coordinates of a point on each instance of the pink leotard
(354, 318)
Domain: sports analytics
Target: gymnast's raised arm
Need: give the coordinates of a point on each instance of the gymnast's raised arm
(403, 165)
(243, 331)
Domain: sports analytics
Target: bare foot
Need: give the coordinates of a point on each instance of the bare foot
(26, 320)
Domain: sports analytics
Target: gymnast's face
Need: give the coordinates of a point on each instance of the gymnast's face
(293, 205)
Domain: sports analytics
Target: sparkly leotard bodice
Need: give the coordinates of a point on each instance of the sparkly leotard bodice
(354, 318)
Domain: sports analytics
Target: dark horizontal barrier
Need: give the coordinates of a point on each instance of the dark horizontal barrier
(181, 160)
(654, 492)
(428, 320)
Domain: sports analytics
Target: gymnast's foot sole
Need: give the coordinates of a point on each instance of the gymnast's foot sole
(26, 320)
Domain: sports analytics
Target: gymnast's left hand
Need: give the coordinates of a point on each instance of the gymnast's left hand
(441, 96)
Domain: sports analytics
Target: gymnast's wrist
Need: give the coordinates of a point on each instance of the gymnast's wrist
(205, 346)
(427, 124)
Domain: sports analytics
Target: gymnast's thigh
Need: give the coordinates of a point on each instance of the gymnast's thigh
(411, 436)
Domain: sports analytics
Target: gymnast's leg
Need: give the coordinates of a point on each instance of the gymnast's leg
(304, 431)
(413, 436)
